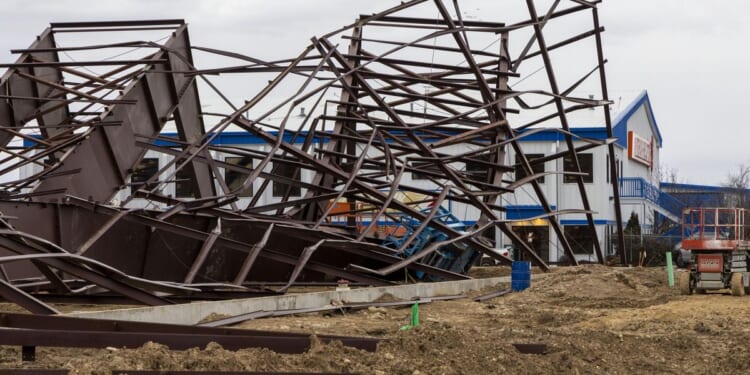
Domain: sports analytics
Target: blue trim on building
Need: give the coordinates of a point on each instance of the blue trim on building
(390, 223)
(521, 212)
(585, 222)
(28, 143)
(240, 138)
(225, 138)
(620, 124)
(619, 131)
(472, 222)
(245, 138)
(699, 188)
(552, 135)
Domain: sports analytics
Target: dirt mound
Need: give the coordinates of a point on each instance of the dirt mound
(596, 286)
(593, 320)
(213, 316)
(486, 272)
(387, 297)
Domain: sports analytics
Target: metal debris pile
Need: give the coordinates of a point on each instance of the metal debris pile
(81, 220)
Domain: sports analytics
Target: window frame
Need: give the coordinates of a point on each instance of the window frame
(235, 160)
(473, 169)
(278, 189)
(520, 173)
(182, 188)
(585, 160)
(574, 234)
(138, 177)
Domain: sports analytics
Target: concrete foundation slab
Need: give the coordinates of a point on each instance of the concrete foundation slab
(193, 313)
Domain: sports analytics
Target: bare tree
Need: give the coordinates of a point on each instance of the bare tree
(667, 174)
(739, 182)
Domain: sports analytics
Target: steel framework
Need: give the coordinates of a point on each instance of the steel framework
(69, 227)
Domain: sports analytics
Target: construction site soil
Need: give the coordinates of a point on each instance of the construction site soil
(593, 319)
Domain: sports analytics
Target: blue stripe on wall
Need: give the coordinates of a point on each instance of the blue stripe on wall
(521, 212)
(585, 222)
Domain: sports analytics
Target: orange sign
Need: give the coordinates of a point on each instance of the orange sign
(640, 149)
(710, 263)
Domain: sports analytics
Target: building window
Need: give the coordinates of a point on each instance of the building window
(290, 172)
(580, 238)
(183, 187)
(606, 162)
(478, 171)
(587, 166)
(537, 168)
(429, 167)
(146, 169)
(235, 179)
(618, 167)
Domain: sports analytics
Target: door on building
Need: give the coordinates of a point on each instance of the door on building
(581, 241)
(536, 236)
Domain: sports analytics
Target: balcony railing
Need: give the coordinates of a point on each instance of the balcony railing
(636, 187)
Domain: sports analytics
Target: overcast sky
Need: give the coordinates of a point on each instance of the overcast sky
(690, 55)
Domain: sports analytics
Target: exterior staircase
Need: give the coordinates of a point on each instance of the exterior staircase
(663, 203)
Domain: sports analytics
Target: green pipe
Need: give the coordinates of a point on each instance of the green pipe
(415, 315)
(670, 269)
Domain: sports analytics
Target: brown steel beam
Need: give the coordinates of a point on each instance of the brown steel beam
(12, 294)
(48, 64)
(85, 273)
(15, 109)
(450, 174)
(175, 341)
(187, 111)
(208, 245)
(229, 244)
(252, 256)
(568, 138)
(188, 372)
(611, 147)
(107, 156)
(65, 25)
(36, 330)
(496, 113)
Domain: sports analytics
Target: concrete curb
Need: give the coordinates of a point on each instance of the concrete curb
(193, 313)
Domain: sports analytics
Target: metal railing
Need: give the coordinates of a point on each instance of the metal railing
(670, 203)
(715, 228)
(637, 187)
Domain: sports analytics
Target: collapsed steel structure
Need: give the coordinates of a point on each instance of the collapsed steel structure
(70, 228)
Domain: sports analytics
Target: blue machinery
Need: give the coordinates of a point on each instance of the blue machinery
(455, 257)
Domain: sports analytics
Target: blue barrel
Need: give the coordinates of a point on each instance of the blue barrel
(520, 275)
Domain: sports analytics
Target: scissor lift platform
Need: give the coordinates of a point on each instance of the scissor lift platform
(719, 241)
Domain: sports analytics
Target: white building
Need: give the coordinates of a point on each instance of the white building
(637, 153)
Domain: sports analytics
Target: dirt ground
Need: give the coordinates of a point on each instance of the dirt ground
(594, 320)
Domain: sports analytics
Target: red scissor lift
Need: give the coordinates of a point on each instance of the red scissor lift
(719, 241)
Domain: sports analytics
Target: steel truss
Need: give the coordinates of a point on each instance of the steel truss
(88, 123)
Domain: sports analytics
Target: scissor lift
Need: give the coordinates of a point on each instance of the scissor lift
(719, 241)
